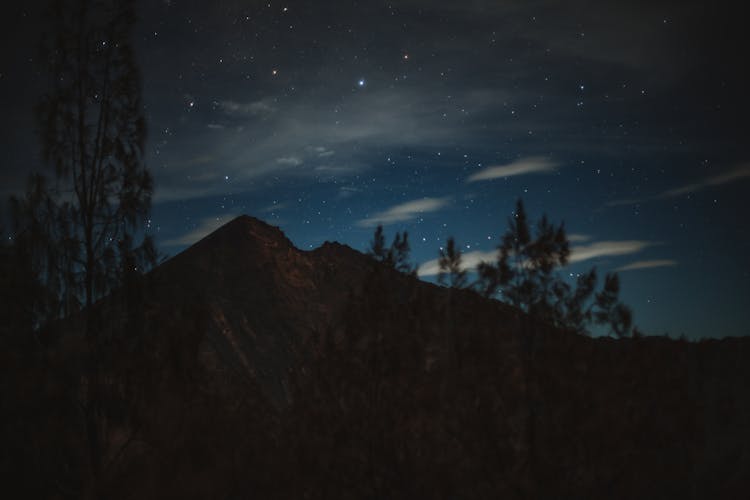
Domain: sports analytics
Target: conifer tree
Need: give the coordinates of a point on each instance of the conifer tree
(526, 275)
(397, 255)
(451, 269)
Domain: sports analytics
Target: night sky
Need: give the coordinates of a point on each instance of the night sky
(627, 120)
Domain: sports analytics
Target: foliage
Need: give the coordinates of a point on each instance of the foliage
(526, 275)
(450, 266)
(396, 256)
(92, 130)
(79, 238)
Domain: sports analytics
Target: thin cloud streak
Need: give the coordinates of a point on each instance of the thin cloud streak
(289, 161)
(606, 249)
(272, 208)
(404, 211)
(576, 238)
(647, 264)
(469, 261)
(253, 108)
(532, 165)
(738, 173)
(578, 253)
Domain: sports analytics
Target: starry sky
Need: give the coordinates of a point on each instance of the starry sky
(625, 119)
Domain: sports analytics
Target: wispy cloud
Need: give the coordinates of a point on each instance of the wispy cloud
(253, 108)
(322, 151)
(289, 161)
(205, 227)
(578, 253)
(404, 211)
(347, 191)
(741, 172)
(469, 261)
(647, 264)
(532, 165)
(576, 238)
(737, 173)
(606, 249)
(274, 207)
(331, 146)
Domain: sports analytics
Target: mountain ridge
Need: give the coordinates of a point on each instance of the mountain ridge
(244, 365)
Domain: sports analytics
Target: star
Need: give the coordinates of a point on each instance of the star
(361, 82)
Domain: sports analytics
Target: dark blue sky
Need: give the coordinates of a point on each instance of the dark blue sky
(627, 120)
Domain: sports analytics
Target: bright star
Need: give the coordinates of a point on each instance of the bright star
(361, 82)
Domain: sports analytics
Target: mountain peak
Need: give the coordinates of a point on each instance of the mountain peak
(247, 222)
(247, 230)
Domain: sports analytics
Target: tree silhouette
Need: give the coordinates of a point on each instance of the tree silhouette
(487, 279)
(41, 251)
(378, 250)
(93, 131)
(526, 275)
(397, 255)
(450, 266)
(84, 231)
(610, 311)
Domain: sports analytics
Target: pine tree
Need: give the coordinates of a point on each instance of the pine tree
(610, 311)
(450, 266)
(377, 249)
(526, 275)
(396, 256)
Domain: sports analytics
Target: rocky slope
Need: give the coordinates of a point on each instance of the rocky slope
(266, 298)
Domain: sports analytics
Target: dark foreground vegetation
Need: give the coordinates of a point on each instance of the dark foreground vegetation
(247, 368)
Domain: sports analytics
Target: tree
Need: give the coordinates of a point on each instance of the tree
(93, 132)
(450, 266)
(526, 276)
(38, 252)
(487, 280)
(396, 256)
(610, 311)
(83, 227)
(378, 250)
(526, 264)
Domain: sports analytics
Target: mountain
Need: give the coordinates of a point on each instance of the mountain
(247, 367)
(266, 297)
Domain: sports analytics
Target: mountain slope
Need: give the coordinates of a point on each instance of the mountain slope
(266, 297)
(246, 367)
(463, 380)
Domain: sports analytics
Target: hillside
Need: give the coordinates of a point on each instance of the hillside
(246, 367)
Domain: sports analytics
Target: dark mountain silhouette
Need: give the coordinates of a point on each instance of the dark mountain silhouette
(246, 367)
(266, 298)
